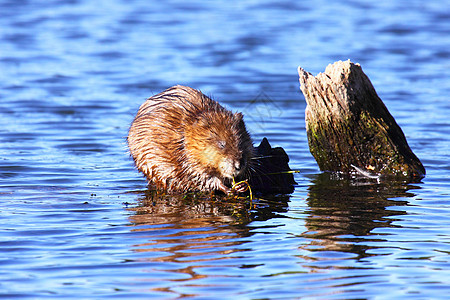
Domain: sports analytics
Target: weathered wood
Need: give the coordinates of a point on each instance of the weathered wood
(350, 129)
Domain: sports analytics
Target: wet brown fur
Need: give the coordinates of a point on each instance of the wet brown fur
(182, 140)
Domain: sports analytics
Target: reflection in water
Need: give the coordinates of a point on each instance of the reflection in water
(193, 210)
(190, 232)
(345, 212)
(192, 245)
(188, 240)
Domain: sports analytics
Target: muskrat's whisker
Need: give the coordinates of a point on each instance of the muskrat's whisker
(248, 172)
(265, 156)
(257, 170)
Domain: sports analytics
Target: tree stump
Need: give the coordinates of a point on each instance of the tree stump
(349, 128)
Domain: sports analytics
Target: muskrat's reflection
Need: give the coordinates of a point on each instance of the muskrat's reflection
(193, 210)
(195, 231)
(343, 212)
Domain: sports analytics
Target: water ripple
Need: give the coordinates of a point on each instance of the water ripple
(77, 220)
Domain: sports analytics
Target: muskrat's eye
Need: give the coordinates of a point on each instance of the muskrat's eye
(221, 144)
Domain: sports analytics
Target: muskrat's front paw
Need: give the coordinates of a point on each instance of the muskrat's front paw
(226, 190)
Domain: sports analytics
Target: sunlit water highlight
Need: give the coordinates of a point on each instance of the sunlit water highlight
(77, 220)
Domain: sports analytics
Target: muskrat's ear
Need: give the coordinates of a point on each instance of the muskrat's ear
(239, 116)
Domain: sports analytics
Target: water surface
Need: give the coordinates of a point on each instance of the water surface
(77, 220)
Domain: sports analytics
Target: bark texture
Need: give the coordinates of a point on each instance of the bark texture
(350, 129)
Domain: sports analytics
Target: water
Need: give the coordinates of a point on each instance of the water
(77, 220)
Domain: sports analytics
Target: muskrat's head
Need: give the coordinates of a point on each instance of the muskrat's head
(218, 142)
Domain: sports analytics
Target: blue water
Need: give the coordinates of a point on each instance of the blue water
(77, 221)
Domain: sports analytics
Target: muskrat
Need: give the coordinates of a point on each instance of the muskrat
(184, 141)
